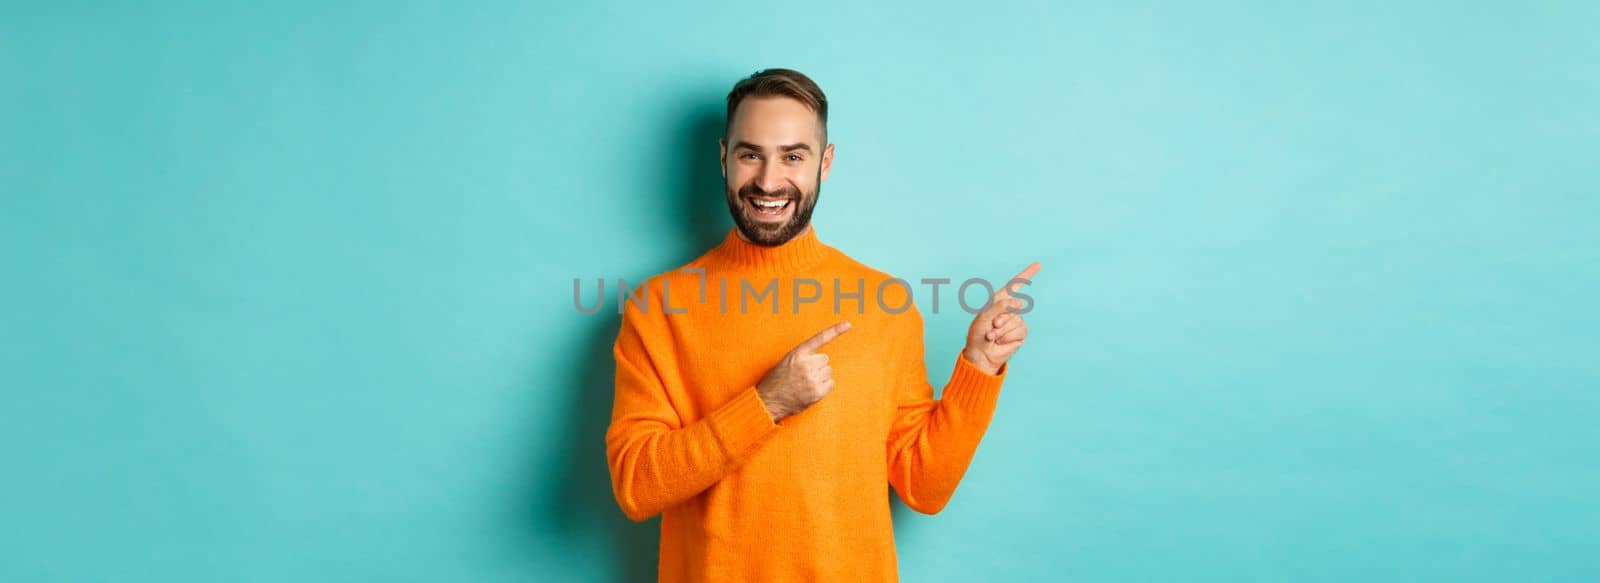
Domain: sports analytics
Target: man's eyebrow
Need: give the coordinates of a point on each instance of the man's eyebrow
(789, 148)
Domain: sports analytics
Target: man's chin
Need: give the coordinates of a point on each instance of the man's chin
(768, 234)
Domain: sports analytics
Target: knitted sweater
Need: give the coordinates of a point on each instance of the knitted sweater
(744, 498)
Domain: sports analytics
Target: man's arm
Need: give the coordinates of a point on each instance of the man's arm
(656, 460)
(932, 442)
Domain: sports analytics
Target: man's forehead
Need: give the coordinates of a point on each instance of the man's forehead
(772, 122)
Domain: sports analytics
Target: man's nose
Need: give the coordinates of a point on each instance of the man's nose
(771, 179)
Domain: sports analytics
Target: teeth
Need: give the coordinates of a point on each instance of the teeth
(771, 204)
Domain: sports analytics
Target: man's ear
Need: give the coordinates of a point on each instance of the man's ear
(722, 157)
(827, 161)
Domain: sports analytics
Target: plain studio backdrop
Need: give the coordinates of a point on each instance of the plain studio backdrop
(288, 286)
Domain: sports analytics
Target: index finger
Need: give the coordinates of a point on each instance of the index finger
(827, 335)
(1026, 275)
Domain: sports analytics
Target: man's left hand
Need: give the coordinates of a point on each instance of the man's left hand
(998, 331)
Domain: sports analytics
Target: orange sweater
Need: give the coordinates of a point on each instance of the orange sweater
(743, 498)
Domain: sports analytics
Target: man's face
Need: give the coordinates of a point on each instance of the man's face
(773, 165)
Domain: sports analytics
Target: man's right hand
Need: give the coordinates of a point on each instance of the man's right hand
(803, 376)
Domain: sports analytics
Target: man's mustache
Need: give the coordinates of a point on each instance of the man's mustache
(751, 189)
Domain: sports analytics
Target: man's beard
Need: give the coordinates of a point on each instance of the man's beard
(768, 234)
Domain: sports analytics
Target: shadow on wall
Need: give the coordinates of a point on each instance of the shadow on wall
(584, 503)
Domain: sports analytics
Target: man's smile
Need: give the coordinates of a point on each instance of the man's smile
(770, 209)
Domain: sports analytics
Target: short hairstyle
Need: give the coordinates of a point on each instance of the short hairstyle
(778, 83)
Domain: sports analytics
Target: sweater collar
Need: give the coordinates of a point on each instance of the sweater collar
(796, 254)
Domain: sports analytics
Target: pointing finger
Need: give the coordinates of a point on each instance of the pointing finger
(999, 308)
(1026, 275)
(827, 335)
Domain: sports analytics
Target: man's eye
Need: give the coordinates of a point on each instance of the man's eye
(750, 156)
(794, 158)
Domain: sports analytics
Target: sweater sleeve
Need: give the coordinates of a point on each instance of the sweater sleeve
(656, 460)
(931, 442)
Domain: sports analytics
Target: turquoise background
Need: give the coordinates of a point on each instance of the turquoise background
(288, 285)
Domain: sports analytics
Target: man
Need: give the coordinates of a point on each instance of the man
(764, 431)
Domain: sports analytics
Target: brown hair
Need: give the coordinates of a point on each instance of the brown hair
(779, 83)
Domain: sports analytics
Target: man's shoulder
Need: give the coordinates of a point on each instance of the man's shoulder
(892, 293)
(646, 298)
(693, 270)
(850, 266)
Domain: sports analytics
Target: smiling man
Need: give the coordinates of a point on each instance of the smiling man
(766, 433)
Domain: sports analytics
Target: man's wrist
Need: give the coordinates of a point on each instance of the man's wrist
(977, 360)
(774, 410)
